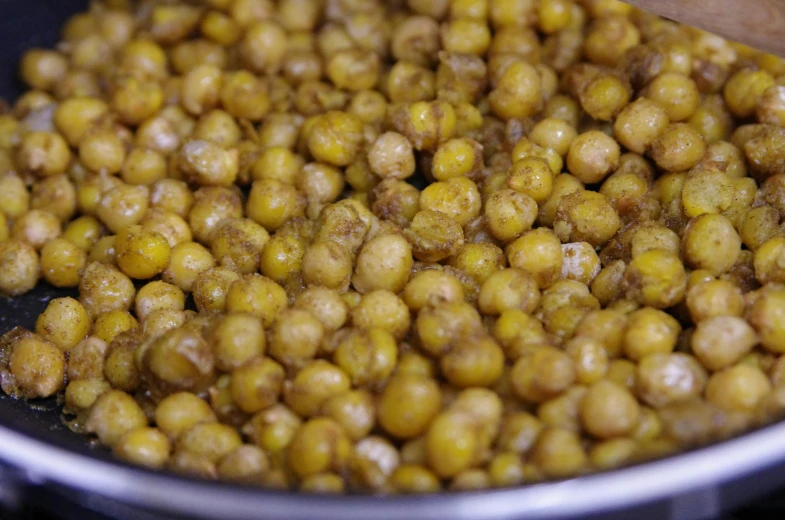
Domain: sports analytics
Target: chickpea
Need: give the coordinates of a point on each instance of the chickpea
(295, 337)
(725, 242)
(257, 295)
(37, 367)
(384, 262)
(143, 446)
(609, 410)
(744, 90)
(208, 164)
(559, 453)
(591, 358)
(43, 154)
(431, 288)
(714, 298)
(538, 252)
(319, 445)
(256, 385)
(740, 387)
(604, 96)
(678, 148)
(478, 260)
(171, 195)
(313, 385)
(758, 226)
(458, 198)
(663, 379)
(42, 69)
(14, 197)
(656, 278)
(585, 216)
(180, 411)
(640, 123)
(64, 323)
(80, 395)
(518, 93)
(509, 214)
(211, 440)
(408, 404)
(544, 374)
(179, 360)
(707, 191)
(770, 106)
(61, 263)
(140, 253)
(113, 415)
(763, 315)
(123, 206)
(767, 261)
(434, 236)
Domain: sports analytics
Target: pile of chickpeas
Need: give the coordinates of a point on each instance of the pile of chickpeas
(396, 246)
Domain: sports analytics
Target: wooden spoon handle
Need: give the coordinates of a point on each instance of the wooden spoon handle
(757, 23)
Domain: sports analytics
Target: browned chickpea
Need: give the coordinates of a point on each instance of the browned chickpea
(104, 288)
(586, 216)
(37, 367)
(518, 93)
(639, 124)
(678, 148)
(179, 360)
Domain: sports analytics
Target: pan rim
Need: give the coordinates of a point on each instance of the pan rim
(698, 473)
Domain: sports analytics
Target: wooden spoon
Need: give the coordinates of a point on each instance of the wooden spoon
(757, 23)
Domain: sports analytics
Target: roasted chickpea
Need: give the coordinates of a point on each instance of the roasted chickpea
(678, 148)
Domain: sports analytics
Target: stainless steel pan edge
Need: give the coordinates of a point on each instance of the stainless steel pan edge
(698, 484)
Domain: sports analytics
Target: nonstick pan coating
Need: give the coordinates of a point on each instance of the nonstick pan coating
(42, 461)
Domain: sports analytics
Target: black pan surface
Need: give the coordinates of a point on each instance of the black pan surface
(25, 24)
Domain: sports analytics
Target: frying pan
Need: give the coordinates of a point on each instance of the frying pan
(44, 463)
